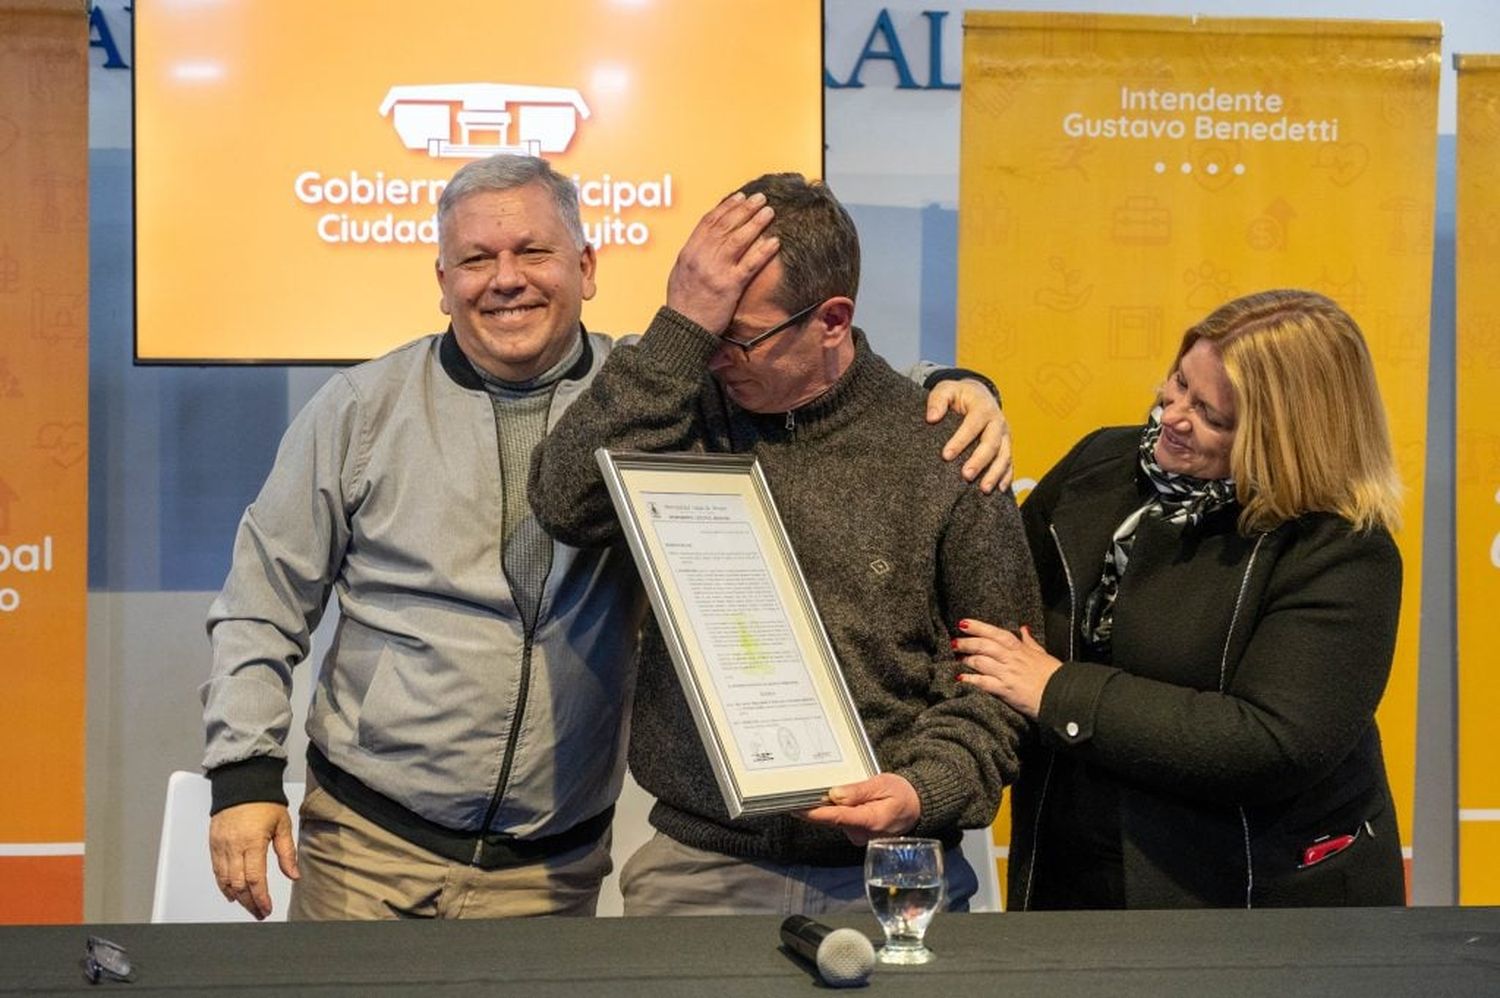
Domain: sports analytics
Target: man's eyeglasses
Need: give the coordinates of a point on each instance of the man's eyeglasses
(789, 322)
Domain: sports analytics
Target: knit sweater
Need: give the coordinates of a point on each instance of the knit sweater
(895, 547)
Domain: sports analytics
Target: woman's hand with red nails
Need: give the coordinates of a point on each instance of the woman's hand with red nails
(1014, 668)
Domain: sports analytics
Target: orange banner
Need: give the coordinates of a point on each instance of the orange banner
(1477, 481)
(1122, 176)
(43, 455)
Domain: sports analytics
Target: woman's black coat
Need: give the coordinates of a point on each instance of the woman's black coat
(1237, 716)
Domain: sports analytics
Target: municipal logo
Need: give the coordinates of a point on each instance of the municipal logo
(474, 120)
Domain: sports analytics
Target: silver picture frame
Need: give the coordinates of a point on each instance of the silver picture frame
(760, 676)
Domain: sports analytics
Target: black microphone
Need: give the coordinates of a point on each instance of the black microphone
(844, 957)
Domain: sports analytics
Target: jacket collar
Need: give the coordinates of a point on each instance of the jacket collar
(1091, 504)
(1098, 497)
(460, 370)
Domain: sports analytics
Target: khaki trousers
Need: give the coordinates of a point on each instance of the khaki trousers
(665, 877)
(352, 869)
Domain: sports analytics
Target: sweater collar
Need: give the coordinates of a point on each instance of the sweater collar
(855, 389)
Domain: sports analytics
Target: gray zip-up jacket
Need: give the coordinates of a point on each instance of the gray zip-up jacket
(433, 700)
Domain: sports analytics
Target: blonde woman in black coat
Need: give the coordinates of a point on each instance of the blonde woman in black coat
(1221, 591)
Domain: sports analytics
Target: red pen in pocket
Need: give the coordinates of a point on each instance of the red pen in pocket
(1328, 845)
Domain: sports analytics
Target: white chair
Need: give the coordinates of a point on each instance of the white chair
(980, 850)
(185, 888)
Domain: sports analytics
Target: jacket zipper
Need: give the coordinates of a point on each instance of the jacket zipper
(1223, 676)
(508, 757)
(1072, 593)
(1036, 828)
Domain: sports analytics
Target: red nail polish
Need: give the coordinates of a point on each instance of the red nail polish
(953, 643)
(963, 625)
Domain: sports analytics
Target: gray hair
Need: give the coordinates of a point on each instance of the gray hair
(505, 172)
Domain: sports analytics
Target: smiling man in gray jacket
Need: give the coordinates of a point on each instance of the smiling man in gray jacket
(468, 722)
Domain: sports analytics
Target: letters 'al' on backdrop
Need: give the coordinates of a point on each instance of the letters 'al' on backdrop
(43, 455)
(1094, 228)
(1477, 486)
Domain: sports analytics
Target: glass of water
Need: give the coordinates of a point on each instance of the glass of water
(904, 880)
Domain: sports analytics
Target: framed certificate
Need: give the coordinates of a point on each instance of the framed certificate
(760, 676)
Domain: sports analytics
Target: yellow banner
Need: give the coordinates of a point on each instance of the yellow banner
(1121, 176)
(44, 377)
(1477, 482)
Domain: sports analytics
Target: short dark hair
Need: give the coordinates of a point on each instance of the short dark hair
(819, 245)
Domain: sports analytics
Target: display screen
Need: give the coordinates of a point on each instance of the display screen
(289, 155)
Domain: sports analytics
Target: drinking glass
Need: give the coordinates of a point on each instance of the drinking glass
(904, 880)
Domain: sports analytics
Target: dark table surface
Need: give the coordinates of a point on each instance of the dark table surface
(1367, 953)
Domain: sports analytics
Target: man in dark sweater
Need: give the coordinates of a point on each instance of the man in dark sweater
(755, 352)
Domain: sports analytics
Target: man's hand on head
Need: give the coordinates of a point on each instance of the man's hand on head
(722, 255)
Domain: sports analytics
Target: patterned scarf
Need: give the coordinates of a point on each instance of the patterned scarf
(1178, 499)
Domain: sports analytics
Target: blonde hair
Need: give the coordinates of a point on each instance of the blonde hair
(1311, 430)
